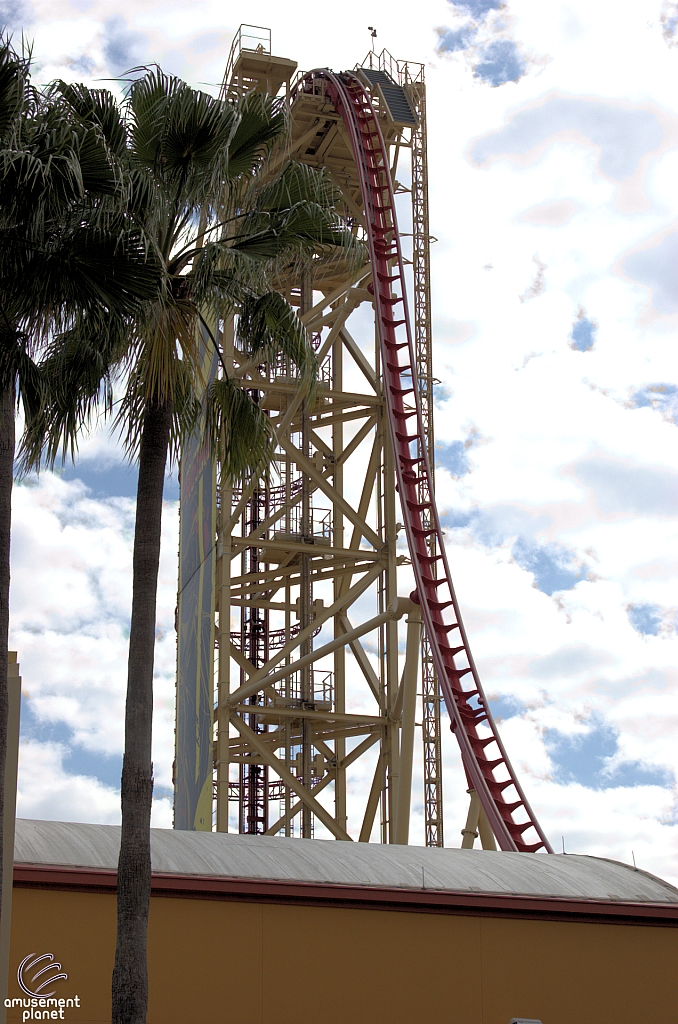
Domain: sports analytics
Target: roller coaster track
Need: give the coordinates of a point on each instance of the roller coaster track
(488, 769)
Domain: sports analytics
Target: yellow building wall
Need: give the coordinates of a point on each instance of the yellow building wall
(252, 963)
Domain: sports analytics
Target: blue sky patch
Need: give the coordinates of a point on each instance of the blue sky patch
(15, 13)
(497, 59)
(552, 565)
(83, 65)
(123, 47)
(505, 707)
(636, 773)
(584, 758)
(452, 457)
(662, 397)
(669, 21)
(452, 40)
(500, 62)
(456, 519)
(583, 334)
(78, 760)
(646, 618)
(478, 9)
(107, 479)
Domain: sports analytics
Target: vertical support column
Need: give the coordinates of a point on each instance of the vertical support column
(388, 592)
(224, 553)
(9, 817)
(391, 631)
(470, 831)
(487, 840)
(431, 697)
(288, 685)
(338, 542)
(194, 734)
(477, 825)
(306, 592)
(408, 686)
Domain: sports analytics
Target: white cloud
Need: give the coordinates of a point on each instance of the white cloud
(70, 601)
(46, 790)
(576, 162)
(551, 214)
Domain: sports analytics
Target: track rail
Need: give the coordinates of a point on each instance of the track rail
(487, 766)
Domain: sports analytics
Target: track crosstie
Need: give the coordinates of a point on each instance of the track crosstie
(488, 769)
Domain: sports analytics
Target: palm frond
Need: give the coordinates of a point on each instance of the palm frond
(158, 215)
(261, 123)
(268, 326)
(97, 107)
(185, 403)
(145, 108)
(76, 379)
(77, 271)
(197, 133)
(51, 168)
(293, 217)
(297, 183)
(221, 277)
(239, 432)
(14, 87)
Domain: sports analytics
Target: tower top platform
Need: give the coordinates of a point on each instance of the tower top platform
(251, 65)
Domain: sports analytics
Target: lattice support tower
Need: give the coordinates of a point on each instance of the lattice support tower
(333, 592)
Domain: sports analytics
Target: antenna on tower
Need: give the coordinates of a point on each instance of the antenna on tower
(373, 33)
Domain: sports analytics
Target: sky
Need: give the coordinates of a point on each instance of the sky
(553, 157)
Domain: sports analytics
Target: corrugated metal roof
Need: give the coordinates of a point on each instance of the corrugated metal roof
(314, 860)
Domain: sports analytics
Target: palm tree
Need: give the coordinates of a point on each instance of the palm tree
(223, 229)
(13, 100)
(65, 258)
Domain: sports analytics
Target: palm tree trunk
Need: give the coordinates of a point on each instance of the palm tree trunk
(7, 441)
(130, 975)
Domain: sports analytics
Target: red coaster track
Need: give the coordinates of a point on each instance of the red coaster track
(488, 768)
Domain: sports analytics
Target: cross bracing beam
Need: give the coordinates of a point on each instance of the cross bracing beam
(312, 673)
(345, 460)
(352, 558)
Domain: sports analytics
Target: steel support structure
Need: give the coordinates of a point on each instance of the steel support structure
(410, 77)
(421, 245)
(316, 679)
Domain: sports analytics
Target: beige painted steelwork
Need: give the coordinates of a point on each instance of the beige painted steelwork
(477, 825)
(308, 560)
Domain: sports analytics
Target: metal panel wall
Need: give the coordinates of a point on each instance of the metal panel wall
(195, 629)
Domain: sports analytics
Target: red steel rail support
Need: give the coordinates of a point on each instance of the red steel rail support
(487, 765)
